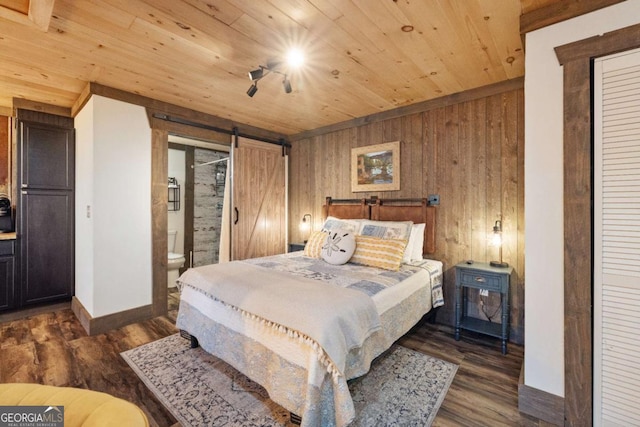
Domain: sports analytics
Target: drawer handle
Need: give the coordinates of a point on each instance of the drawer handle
(480, 279)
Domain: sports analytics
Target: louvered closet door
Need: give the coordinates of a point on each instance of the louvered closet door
(617, 240)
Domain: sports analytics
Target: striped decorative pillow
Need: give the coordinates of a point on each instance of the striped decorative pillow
(313, 248)
(380, 253)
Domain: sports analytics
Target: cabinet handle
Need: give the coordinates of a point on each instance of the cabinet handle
(480, 279)
(237, 215)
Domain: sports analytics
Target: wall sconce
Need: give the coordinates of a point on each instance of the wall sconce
(173, 200)
(496, 240)
(306, 225)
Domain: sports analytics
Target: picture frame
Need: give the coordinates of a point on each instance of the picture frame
(376, 167)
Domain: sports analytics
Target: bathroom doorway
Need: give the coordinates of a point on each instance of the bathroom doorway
(197, 179)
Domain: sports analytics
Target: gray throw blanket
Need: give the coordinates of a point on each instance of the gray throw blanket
(307, 308)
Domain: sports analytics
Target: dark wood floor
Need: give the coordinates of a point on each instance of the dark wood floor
(53, 348)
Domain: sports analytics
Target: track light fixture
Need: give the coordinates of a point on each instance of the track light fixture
(258, 73)
(252, 90)
(287, 84)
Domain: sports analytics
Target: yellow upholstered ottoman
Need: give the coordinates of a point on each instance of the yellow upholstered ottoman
(82, 408)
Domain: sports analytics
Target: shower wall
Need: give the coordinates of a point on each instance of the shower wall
(208, 199)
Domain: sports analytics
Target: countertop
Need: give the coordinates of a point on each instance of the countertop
(8, 236)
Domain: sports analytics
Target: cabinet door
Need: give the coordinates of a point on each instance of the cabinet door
(46, 157)
(46, 246)
(7, 300)
(259, 200)
(45, 221)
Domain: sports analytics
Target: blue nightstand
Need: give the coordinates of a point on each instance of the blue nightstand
(493, 279)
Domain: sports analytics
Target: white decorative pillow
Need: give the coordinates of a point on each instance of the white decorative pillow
(380, 253)
(334, 224)
(338, 247)
(416, 241)
(408, 251)
(314, 245)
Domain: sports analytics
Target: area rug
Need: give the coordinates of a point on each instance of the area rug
(403, 388)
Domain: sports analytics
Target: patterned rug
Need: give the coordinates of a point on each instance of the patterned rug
(403, 388)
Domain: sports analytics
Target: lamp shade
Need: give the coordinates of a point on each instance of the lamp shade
(496, 240)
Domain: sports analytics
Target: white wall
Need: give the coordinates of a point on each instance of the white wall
(83, 123)
(544, 288)
(113, 179)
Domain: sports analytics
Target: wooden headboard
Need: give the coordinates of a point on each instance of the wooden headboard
(347, 208)
(416, 210)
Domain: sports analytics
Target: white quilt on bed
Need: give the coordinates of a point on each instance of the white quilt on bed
(306, 308)
(289, 368)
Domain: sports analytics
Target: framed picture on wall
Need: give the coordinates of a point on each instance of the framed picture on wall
(376, 167)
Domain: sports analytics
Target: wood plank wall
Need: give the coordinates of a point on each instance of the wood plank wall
(469, 151)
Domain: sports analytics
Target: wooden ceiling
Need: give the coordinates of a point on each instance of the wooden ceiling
(362, 56)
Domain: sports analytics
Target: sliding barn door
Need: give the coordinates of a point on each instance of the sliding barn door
(617, 240)
(259, 213)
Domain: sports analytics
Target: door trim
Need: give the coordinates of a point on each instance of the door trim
(578, 218)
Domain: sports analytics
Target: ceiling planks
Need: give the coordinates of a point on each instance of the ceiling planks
(363, 57)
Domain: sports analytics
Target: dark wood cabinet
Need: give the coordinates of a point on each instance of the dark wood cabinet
(46, 246)
(45, 220)
(7, 274)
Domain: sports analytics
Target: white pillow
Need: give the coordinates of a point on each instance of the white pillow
(416, 240)
(414, 245)
(334, 224)
(339, 247)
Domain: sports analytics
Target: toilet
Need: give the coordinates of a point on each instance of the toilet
(174, 261)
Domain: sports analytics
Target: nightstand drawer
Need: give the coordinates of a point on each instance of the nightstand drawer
(481, 280)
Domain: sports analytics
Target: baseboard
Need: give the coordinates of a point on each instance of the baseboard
(540, 404)
(99, 325)
(33, 311)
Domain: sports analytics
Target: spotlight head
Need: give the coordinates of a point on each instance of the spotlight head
(252, 90)
(256, 74)
(287, 85)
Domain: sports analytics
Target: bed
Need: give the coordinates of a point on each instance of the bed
(276, 319)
